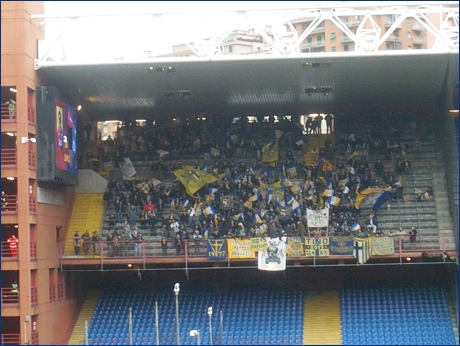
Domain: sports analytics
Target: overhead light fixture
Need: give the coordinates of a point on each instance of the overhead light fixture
(151, 69)
(11, 134)
(14, 90)
(325, 90)
(79, 108)
(170, 70)
(10, 178)
(408, 259)
(26, 140)
(130, 265)
(317, 64)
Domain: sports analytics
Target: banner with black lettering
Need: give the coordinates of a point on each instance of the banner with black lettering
(274, 258)
(317, 247)
(382, 246)
(258, 244)
(341, 245)
(217, 249)
(240, 248)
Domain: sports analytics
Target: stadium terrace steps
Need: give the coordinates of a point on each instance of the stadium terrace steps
(323, 321)
(88, 214)
(86, 314)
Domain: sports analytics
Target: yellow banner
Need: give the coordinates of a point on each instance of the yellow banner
(259, 244)
(382, 246)
(361, 196)
(194, 180)
(295, 248)
(271, 153)
(317, 247)
(240, 248)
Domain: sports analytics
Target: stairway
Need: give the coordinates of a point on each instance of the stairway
(453, 308)
(445, 222)
(323, 319)
(88, 214)
(86, 314)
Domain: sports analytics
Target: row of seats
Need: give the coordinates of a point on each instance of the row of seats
(396, 316)
(269, 321)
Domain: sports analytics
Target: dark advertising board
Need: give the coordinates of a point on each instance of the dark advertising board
(57, 138)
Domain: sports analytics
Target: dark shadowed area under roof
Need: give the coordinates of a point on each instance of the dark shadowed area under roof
(254, 85)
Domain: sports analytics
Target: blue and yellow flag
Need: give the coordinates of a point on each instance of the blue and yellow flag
(217, 249)
(270, 153)
(194, 180)
(341, 245)
(372, 193)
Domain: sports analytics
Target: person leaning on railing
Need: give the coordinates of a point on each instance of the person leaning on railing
(4, 201)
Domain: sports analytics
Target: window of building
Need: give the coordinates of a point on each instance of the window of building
(309, 41)
(409, 20)
(320, 39)
(409, 35)
(334, 49)
(258, 48)
(230, 49)
(333, 36)
(346, 48)
(409, 47)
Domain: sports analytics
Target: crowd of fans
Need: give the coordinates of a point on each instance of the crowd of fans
(342, 166)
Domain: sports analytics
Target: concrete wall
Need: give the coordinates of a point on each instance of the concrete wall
(90, 182)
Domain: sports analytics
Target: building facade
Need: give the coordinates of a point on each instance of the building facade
(42, 309)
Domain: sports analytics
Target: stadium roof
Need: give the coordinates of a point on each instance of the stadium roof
(258, 85)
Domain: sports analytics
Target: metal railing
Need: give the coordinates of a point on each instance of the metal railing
(8, 116)
(9, 158)
(33, 251)
(34, 338)
(9, 254)
(52, 293)
(191, 248)
(60, 292)
(12, 206)
(8, 297)
(32, 205)
(32, 160)
(11, 339)
(34, 296)
(31, 115)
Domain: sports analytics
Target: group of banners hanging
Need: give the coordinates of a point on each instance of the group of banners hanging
(272, 252)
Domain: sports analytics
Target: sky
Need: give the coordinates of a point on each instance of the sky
(121, 36)
(128, 37)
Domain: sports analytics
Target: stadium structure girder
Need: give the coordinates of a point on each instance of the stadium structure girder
(123, 83)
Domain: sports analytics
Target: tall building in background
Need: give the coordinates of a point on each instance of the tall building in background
(327, 37)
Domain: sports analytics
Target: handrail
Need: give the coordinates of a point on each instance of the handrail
(12, 207)
(9, 254)
(8, 115)
(105, 250)
(9, 157)
(8, 297)
(11, 339)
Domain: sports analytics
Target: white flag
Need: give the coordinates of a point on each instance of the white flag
(318, 218)
(274, 258)
(127, 169)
